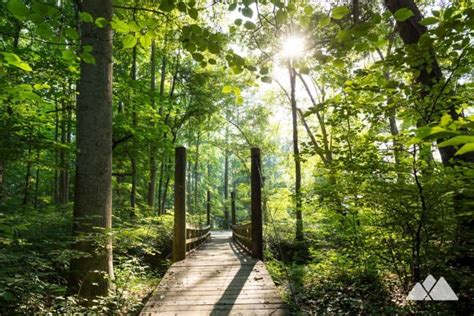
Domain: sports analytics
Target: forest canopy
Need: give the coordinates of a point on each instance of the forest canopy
(362, 110)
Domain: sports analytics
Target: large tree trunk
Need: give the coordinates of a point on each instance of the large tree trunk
(90, 274)
(429, 77)
(296, 154)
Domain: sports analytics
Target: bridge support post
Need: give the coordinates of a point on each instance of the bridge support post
(232, 207)
(179, 239)
(256, 204)
(208, 208)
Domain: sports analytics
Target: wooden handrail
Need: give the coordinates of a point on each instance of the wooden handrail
(196, 235)
(242, 235)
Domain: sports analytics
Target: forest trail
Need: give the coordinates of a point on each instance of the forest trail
(219, 278)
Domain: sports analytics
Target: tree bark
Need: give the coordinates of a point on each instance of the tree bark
(2, 177)
(37, 179)
(27, 178)
(226, 189)
(196, 175)
(133, 159)
(153, 166)
(63, 191)
(90, 275)
(296, 154)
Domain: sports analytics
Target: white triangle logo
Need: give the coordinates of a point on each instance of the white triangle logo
(432, 290)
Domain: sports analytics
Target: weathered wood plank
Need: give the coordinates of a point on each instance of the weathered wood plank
(217, 279)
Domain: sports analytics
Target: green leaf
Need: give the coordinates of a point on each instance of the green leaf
(403, 14)
(212, 61)
(429, 20)
(14, 60)
(308, 10)
(18, 9)
(101, 22)
(44, 30)
(129, 41)
(250, 25)
(247, 12)
(145, 41)
(213, 47)
(233, 6)
(343, 36)
(325, 20)
(88, 58)
(304, 70)
(86, 17)
(373, 37)
(238, 22)
(281, 16)
(430, 133)
(340, 12)
(167, 5)
(227, 89)
(72, 34)
(120, 26)
(68, 55)
(266, 79)
(182, 7)
(193, 13)
(197, 57)
(467, 148)
(457, 140)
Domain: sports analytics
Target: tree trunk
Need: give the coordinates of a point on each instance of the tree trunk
(165, 188)
(63, 192)
(2, 177)
(226, 188)
(153, 167)
(196, 175)
(160, 186)
(133, 160)
(296, 155)
(37, 179)
(90, 274)
(55, 193)
(27, 178)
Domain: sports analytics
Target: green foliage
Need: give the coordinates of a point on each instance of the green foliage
(403, 14)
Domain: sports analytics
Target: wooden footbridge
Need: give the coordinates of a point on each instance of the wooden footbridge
(216, 272)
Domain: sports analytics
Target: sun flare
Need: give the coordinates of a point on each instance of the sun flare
(292, 46)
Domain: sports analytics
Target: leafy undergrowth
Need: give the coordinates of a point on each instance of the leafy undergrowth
(35, 255)
(316, 290)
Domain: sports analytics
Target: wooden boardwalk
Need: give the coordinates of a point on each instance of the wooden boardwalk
(217, 279)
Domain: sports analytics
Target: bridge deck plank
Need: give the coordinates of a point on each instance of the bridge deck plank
(217, 279)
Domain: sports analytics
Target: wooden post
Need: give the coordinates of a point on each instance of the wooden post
(232, 207)
(179, 240)
(208, 209)
(256, 196)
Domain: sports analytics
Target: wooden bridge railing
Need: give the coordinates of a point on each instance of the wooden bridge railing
(196, 235)
(242, 235)
(250, 236)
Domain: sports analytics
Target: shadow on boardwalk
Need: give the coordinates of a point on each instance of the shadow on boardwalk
(218, 279)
